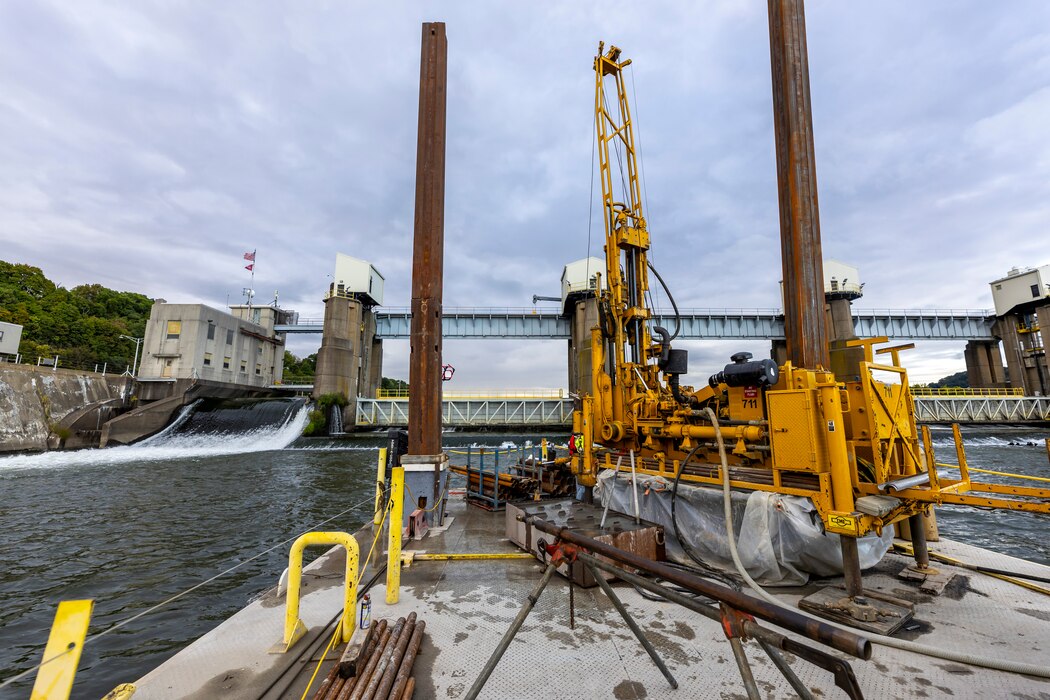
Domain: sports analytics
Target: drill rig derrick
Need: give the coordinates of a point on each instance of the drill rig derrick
(627, 401)
(852, 448)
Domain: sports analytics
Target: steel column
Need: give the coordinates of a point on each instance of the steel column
(804, 322)
(424, 403)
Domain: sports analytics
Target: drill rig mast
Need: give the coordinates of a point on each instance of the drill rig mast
(853, 448)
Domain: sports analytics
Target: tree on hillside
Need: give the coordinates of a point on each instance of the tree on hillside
(82, 325)
(952, 380)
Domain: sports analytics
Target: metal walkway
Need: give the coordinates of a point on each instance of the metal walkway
(743, 324)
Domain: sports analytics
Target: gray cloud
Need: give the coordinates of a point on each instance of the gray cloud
(147, 145)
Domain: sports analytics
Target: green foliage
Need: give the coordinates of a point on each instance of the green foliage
(952, 380)
(82, 325)
(391, 384)
(318, 423)
(305, 368)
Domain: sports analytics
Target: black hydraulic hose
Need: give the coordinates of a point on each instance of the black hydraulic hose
(686, 547)
(676, 392)
(677, 314)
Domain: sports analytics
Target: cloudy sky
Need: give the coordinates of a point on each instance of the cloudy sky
(147, 145)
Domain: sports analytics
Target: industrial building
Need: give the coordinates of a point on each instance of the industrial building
(194, 341)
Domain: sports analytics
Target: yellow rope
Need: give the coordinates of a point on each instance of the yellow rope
(412, 496)
(338, 629)
(988, 471)
(371, 549)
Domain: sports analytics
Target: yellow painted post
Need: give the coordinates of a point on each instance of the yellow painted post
(54, 680)
(838, 455)
(543, 449)
(393, 563)
(377, 519)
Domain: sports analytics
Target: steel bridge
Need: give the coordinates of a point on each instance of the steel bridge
(556, 412)
(743, 324)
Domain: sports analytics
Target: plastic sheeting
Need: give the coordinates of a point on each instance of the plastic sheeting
(780, 538)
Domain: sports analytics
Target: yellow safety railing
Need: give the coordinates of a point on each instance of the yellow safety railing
(961, 391)
(294, 628)
(481, 394)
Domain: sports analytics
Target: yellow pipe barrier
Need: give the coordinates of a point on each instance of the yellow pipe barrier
(377, 519)
(396, 508)
(469, 556)
(54, 680)
(294, 628)
(989, 471)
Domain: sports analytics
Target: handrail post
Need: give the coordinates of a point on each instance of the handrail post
(393, 563)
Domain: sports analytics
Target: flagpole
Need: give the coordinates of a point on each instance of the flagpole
(251, 285)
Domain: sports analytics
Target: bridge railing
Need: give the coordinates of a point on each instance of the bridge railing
(962, 391)
(481, 394)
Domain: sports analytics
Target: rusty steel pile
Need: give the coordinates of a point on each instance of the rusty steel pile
(380, 666)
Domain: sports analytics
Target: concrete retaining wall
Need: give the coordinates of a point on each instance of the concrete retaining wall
(33, 400)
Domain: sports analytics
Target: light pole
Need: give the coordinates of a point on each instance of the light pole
(135, 363)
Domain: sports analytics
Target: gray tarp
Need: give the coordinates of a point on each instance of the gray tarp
(780, 538)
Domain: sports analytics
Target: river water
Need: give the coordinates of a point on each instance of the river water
(132, 526)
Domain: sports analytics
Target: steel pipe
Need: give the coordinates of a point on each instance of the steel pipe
(844, 641)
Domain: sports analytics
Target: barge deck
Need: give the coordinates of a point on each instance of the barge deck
(468, 605)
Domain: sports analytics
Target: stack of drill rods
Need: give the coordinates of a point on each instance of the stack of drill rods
(557, 479)
(510, 485)
(388, 662)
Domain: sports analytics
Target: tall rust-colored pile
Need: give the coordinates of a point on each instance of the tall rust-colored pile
(380, 666)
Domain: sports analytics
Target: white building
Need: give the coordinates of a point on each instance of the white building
(10, 338)
(193, 341)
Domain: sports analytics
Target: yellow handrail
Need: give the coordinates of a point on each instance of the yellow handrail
(480, 394)
(294, 628)
(963, 391)
(989, 471)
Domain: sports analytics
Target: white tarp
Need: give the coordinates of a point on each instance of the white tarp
(780, 538)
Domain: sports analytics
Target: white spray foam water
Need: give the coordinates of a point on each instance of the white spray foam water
(170, 445)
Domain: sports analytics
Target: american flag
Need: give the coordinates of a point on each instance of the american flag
(250, 256)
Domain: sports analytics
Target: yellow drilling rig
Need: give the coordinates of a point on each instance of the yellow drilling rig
(851, 447)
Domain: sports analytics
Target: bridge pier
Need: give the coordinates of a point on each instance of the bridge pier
(845, 361)
(984, 365)
(1026, 363)
(583, 318)
(346, 361)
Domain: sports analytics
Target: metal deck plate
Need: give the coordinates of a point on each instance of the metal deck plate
(468, 605)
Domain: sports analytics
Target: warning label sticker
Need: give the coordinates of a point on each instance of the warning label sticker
(750, 392)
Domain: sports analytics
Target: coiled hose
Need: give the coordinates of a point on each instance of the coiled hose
(903, 645)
